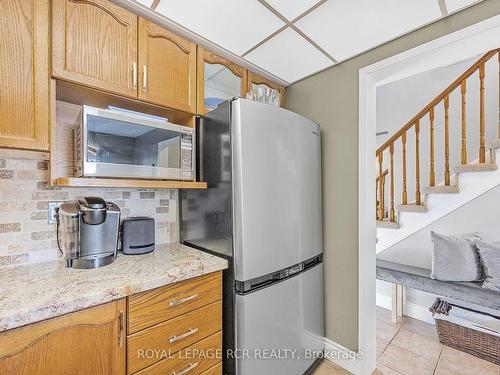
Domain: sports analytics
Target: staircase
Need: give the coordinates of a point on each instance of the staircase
(403, 215)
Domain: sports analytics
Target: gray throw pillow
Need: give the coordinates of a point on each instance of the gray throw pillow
(455, 258)
(490, 259)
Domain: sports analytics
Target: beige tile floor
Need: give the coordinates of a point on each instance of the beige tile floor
(411, 347)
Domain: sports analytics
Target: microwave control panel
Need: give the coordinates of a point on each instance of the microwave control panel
(187, 168)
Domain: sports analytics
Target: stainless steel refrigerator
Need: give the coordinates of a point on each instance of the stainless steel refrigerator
(262, 212)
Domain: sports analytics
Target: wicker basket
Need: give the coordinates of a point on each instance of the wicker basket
(477, 343)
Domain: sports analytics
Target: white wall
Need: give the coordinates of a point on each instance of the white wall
(400, 100)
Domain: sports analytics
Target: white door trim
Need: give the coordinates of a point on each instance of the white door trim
(366, 171)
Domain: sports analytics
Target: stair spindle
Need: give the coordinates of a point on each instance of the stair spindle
(463, 89)
(447, 140)
(432, 173)
(381, 205)
(499, 94)
(417, 163)
(482, 125)
(392, 216)
(405, 194)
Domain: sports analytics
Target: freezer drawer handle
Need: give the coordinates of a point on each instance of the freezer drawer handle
(191, 366)
(190, 332)
(176, 302)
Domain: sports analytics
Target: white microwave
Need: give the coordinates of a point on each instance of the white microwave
(123, 144)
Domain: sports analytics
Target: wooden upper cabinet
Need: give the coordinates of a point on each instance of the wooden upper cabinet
(89, 342)
(218, 80)
(254, 81)
(94, 42)
(167, 68)
(24, 74)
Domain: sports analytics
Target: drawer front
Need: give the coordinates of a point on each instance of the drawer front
(173, 335)
(216, 370)
(193, 360)
(152, 307)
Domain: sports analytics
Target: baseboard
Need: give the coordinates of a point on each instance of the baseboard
(341, 356)
(409, 309)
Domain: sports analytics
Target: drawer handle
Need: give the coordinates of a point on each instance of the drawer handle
(176, 302)
(187, 369)
(191, 331)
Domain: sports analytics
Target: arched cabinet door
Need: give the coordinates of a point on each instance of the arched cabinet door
(218, 80)
(24, 72)
(254, 81)
(90, 341)
(167, 68)
(94, 42)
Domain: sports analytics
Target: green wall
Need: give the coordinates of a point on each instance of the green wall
(331, 99)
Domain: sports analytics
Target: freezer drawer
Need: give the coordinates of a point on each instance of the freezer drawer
(283, 320)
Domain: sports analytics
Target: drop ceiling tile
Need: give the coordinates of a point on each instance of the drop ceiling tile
(454, 5)
(347, 28)
(234, 25)
(289, 56)
(291, 9)
(145, 2)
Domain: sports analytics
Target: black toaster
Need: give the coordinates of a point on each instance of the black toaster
(138, 235)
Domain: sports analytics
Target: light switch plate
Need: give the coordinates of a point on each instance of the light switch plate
(52, 212)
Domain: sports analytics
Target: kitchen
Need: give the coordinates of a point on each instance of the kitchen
(182, 184)
(147, 222)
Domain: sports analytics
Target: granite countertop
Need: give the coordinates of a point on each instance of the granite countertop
(36, 292)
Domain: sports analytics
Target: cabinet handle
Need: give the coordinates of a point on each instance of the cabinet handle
(144, 78)
(176, 302)
(122, 326)
(190, 332)
(134, 75)
(187, 369)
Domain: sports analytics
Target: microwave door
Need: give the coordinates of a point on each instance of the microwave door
(169, 153)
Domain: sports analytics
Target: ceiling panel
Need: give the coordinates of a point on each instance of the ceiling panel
(234, 25)
(289, 56)
(291, 9)
(347, 28)
(454, 5)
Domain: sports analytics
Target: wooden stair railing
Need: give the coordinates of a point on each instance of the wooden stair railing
(415, 124)
(380, 194)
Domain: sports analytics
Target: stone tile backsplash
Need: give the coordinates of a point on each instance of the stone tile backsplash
(26, 236)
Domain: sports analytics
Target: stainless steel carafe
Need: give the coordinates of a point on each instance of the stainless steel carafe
(87, 232)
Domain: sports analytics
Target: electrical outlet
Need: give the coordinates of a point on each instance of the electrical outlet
(52, 212)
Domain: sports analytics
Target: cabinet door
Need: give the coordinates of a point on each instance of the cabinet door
(24, 74)
(167, 68)
(94, 42)
(89, 342)
(254, 81)
(218, 80)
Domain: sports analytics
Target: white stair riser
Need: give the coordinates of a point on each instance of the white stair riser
(438, 205)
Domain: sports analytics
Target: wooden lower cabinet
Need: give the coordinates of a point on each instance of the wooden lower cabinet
(192, 323)
(93, 341)
(89, 342)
